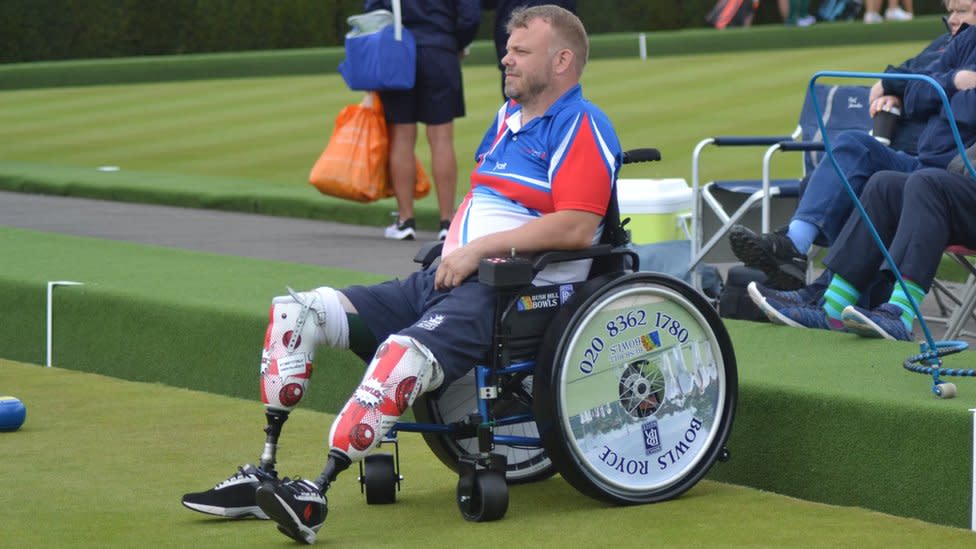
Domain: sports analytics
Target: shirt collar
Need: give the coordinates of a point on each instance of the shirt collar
(572, 95)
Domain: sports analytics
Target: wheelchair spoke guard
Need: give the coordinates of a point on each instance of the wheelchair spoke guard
(635, 390)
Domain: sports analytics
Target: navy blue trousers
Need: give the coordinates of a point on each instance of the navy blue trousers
(917, 215)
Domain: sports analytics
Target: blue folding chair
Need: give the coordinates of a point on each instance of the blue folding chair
(844, 108)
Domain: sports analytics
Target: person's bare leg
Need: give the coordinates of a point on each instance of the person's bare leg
(444, 165)
(403, 170)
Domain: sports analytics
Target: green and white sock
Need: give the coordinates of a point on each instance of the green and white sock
(899, 298)
(840, 293)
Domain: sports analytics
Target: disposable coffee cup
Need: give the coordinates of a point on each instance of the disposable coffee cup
(884, 124)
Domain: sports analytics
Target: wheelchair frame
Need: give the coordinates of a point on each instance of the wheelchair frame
(525, 338)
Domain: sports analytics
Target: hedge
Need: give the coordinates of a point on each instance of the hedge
(38, 30)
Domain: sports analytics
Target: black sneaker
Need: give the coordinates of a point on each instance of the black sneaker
(401, 230)
(445, 226)
(772, 253)
(298, 506)
(234, 497)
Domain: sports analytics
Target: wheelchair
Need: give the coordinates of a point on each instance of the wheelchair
(625, 384)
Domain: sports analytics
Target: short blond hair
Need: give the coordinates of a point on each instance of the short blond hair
(568, 29)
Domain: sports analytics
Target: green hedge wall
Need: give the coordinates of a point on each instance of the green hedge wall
(37, 30)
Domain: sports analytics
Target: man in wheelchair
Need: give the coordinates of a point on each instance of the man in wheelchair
(544, 177)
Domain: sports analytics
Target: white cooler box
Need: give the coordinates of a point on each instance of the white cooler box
(656, 208)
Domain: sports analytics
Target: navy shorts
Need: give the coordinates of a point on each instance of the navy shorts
(455, 325)
(436, 98)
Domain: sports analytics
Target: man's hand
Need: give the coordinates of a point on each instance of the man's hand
(884, 103)
(562, 230)
(455, 267)
(964, 80)
(877, 90)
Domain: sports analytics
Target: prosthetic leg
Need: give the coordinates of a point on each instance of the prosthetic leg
(296, 326)
(401, 370)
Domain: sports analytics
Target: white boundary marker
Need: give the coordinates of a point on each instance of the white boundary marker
(50, 314)
(642, 45)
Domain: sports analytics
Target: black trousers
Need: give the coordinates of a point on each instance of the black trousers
(917, 215)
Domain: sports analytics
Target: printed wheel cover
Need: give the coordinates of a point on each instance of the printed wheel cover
(641, 389)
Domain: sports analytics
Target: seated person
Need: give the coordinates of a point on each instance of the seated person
(544, 182)
(917, 216)
(825, 204)
(887, 94)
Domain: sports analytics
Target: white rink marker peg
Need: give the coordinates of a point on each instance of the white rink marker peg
(642, 46)
(50, 315)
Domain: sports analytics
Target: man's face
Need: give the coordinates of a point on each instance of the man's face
(961, 11)
(528, 63)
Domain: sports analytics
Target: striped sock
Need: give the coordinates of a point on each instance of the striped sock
(839, 294)
(899, 298)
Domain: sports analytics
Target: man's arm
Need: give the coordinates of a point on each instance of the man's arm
(561, 230)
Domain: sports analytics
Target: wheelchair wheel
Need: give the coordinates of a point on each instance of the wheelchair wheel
(379, 479)
(454, 403)
(482, 496)
(636, 389)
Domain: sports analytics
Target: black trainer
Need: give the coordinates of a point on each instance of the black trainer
(298, 506)
(772, 253)
(234, 497)
(401, 230)
(445, 226)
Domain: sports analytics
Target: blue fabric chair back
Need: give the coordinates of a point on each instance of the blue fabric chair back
(842, 107)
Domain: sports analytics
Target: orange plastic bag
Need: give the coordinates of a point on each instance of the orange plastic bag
(354, 163)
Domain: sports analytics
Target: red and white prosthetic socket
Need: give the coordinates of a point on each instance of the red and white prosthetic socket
(297, 324)
(401, 370)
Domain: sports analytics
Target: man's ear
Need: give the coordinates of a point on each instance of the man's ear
(564, 60)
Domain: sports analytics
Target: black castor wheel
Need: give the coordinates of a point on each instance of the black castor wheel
(482, 496)
(379, 479)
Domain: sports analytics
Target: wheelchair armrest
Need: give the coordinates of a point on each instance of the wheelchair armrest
(750, 141)
(545, 258)
(634, 156)
(510, 272)
(428, 253)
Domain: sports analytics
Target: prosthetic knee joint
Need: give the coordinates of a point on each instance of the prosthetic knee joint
(402, 369)
(297, 324)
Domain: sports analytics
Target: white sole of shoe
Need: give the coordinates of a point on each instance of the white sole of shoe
(288, 522)
(771, 313)
(862, 325)
(237, 512)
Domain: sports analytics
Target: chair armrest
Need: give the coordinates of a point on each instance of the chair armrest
(428, 253)
(801, 146)
(750, 141)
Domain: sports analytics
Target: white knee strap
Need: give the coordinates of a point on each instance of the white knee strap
(332, 317)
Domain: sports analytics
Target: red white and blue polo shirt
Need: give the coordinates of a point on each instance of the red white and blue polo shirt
(566, 159)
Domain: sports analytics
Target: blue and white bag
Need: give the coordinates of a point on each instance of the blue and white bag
(380, 53)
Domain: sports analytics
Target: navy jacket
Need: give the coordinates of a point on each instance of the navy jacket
(909, 129)
(936, 145)
(445, 24)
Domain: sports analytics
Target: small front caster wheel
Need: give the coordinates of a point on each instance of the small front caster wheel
(379, 479)
(482, 496)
